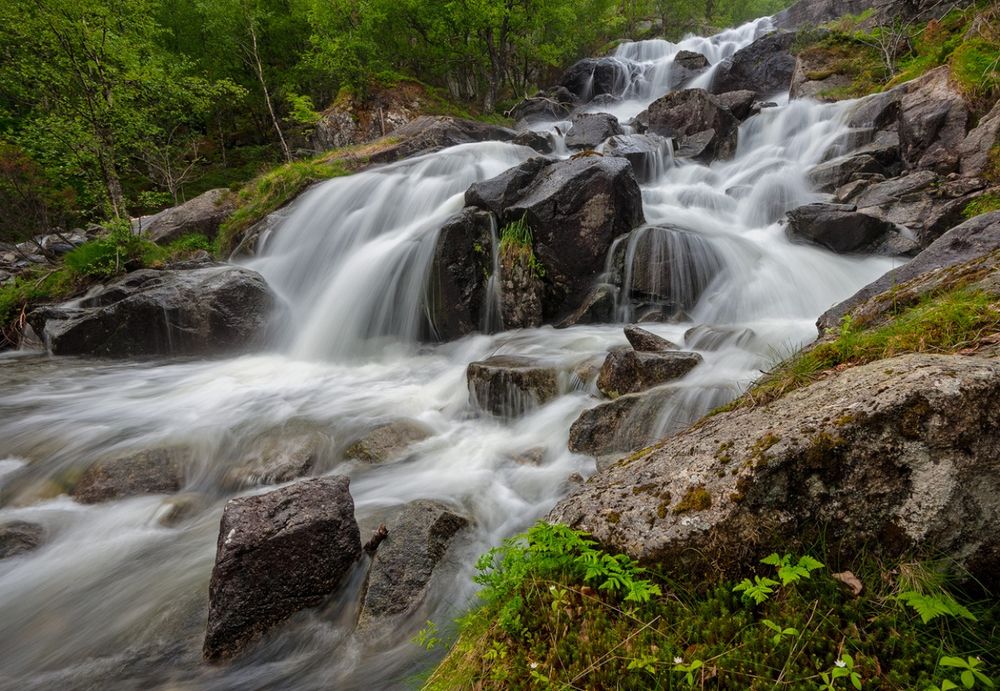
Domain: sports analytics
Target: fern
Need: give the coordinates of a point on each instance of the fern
(930, 607)
(758, 590)
(789, 572)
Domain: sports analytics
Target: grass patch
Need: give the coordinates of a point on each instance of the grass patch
(557, 612)
(982, 205)
(517, 246)
(270, 191)
(943, 323)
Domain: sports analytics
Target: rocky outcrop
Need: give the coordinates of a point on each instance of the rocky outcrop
(686, 66)
(815, 77)
(647, 342)
(628, 371)
(278, 553)
(155, 471)
(203, 214)
(810, 13)
(18, 537)
(597, 307)
(705, 130)
(508, 386)
(628, 422)
(387, 441)
(978, 151)
(218, 308)
(764, 67)
(588, 130)
(829, 176)
(840, 228)
(976, 238)
(592, 77)
(933, 122)
(460, 270)
(649, 154)
(899, 454)
(521, 289)
(574, 210)
(353, 120)
(405, 561)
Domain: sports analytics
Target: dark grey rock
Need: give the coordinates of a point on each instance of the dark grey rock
(975, 150)
(508, 386)
(279, 455)
(764, 67)
(535, 140)
(703, 125)
(387, 441)
(18, 537)
(278, 553)
(429, 133)
(629, 371)
(590, 129)
(627, 423)
(207, 310)
(838, 227)
(827, 177)
(646, 341)
(404, 563)
(739, 103)
(649, 154)
(598, 307)
(592, 77)
(933, 122)
(203, 214)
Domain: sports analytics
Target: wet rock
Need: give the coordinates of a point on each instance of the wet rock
(598, 307)
(764, 67)
(899, 455)
(590, 129)
(975, 150)
(592, 77)
(629, 371)
(710, 337)
(156, 471)
(501, 192)
(533, 457)
(18, 537)
(460, 270)
(575, 209)
(207, 310)
(739, 103)
(429, 133)
(203, 214)
(404, 563)
(627, 423)
(933, 122)
(535, 140)
(279, 456)
(704, 128)
(921, 201)
(181, 507)
(387, 442)
(554, 104)
(649, 154)
(976, 238)
(278, 553)
(827, 177)
(839, 228)
(690, 60)
(522, 291)
(508, 386)
(647, 342)
(878, 111)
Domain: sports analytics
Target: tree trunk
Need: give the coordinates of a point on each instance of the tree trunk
(259, 68)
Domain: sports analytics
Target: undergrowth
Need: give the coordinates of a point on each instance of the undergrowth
(982, 205)
(943, 323)
(557, 612)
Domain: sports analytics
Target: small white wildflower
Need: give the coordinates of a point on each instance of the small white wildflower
(534, 665)
(678, 660)
(552, 587)
(840, 663)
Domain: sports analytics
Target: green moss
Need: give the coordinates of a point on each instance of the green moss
(696, 498)
(272, 190)
(541, 624)
(982, 205)
(517, 247)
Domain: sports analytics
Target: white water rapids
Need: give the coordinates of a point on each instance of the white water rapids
(115, 599)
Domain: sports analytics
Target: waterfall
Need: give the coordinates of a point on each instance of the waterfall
(117, 589)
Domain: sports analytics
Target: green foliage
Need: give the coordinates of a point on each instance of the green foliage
(930, 606)
(272, 190)
(516, 245)
(758, 590)
(565, 632)
(791, 572)
(982, 205)
(972, 673)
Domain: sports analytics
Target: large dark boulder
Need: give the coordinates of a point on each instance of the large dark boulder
(278, 553)
(739, 103)
(828, 176)
(697, 120)
(459, 279)
(217, 308)
(897, 455)
(156, 471)
(18, 537)
(509, 386)
(203, 214)
(840, 228)
(592, 77)
(649, 154)
(501, 192)
(977, 237)
(575, 209)
(555, 104)
(764, 67)
(933, 122)
(590, 129)
(405, 561)
(811, 13)
(628, 371)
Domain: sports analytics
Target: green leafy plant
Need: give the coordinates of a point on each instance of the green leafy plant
(758, 590)
(780, 632)
(930, 606)
(688, 669)
(516, 245)
(972, 673)
(842, 669)
(790, 572)
(427, 636)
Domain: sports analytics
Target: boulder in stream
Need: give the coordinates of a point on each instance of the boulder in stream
(508, 385)
(649, 154)
(279, 455)
(18, 537)
(154, 471)
(278, 553)
(627, 423)
(217, 308)
(646, 341)
(704, 128)
(402, 566)
(628, 371)
(588, 130)
(387, 441)
(764, 67)
(842, 229)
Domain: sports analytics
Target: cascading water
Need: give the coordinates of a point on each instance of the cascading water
(116, 596)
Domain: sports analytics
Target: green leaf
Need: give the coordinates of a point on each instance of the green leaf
(968, 679)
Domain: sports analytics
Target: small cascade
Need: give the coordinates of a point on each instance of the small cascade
(492, 317)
